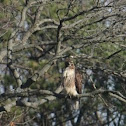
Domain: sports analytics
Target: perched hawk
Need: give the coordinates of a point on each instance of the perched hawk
(72, 82)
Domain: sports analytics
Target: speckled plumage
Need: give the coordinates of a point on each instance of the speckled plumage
(72, 82)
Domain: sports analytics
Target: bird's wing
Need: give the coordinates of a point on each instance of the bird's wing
(78, 81)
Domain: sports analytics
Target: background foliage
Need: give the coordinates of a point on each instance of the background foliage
(36, 38)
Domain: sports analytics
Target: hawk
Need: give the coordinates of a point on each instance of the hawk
(72, 82)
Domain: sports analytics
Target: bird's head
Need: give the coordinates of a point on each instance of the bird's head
(71, 64)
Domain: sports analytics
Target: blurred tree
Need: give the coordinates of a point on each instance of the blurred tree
(36, 38)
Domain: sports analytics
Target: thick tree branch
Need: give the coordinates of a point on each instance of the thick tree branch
(53, 96)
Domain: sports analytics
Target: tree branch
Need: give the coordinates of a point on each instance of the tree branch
(52, 96)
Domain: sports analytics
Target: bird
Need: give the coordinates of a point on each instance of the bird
(72, 82)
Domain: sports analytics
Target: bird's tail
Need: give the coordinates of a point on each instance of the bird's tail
(75, 104)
